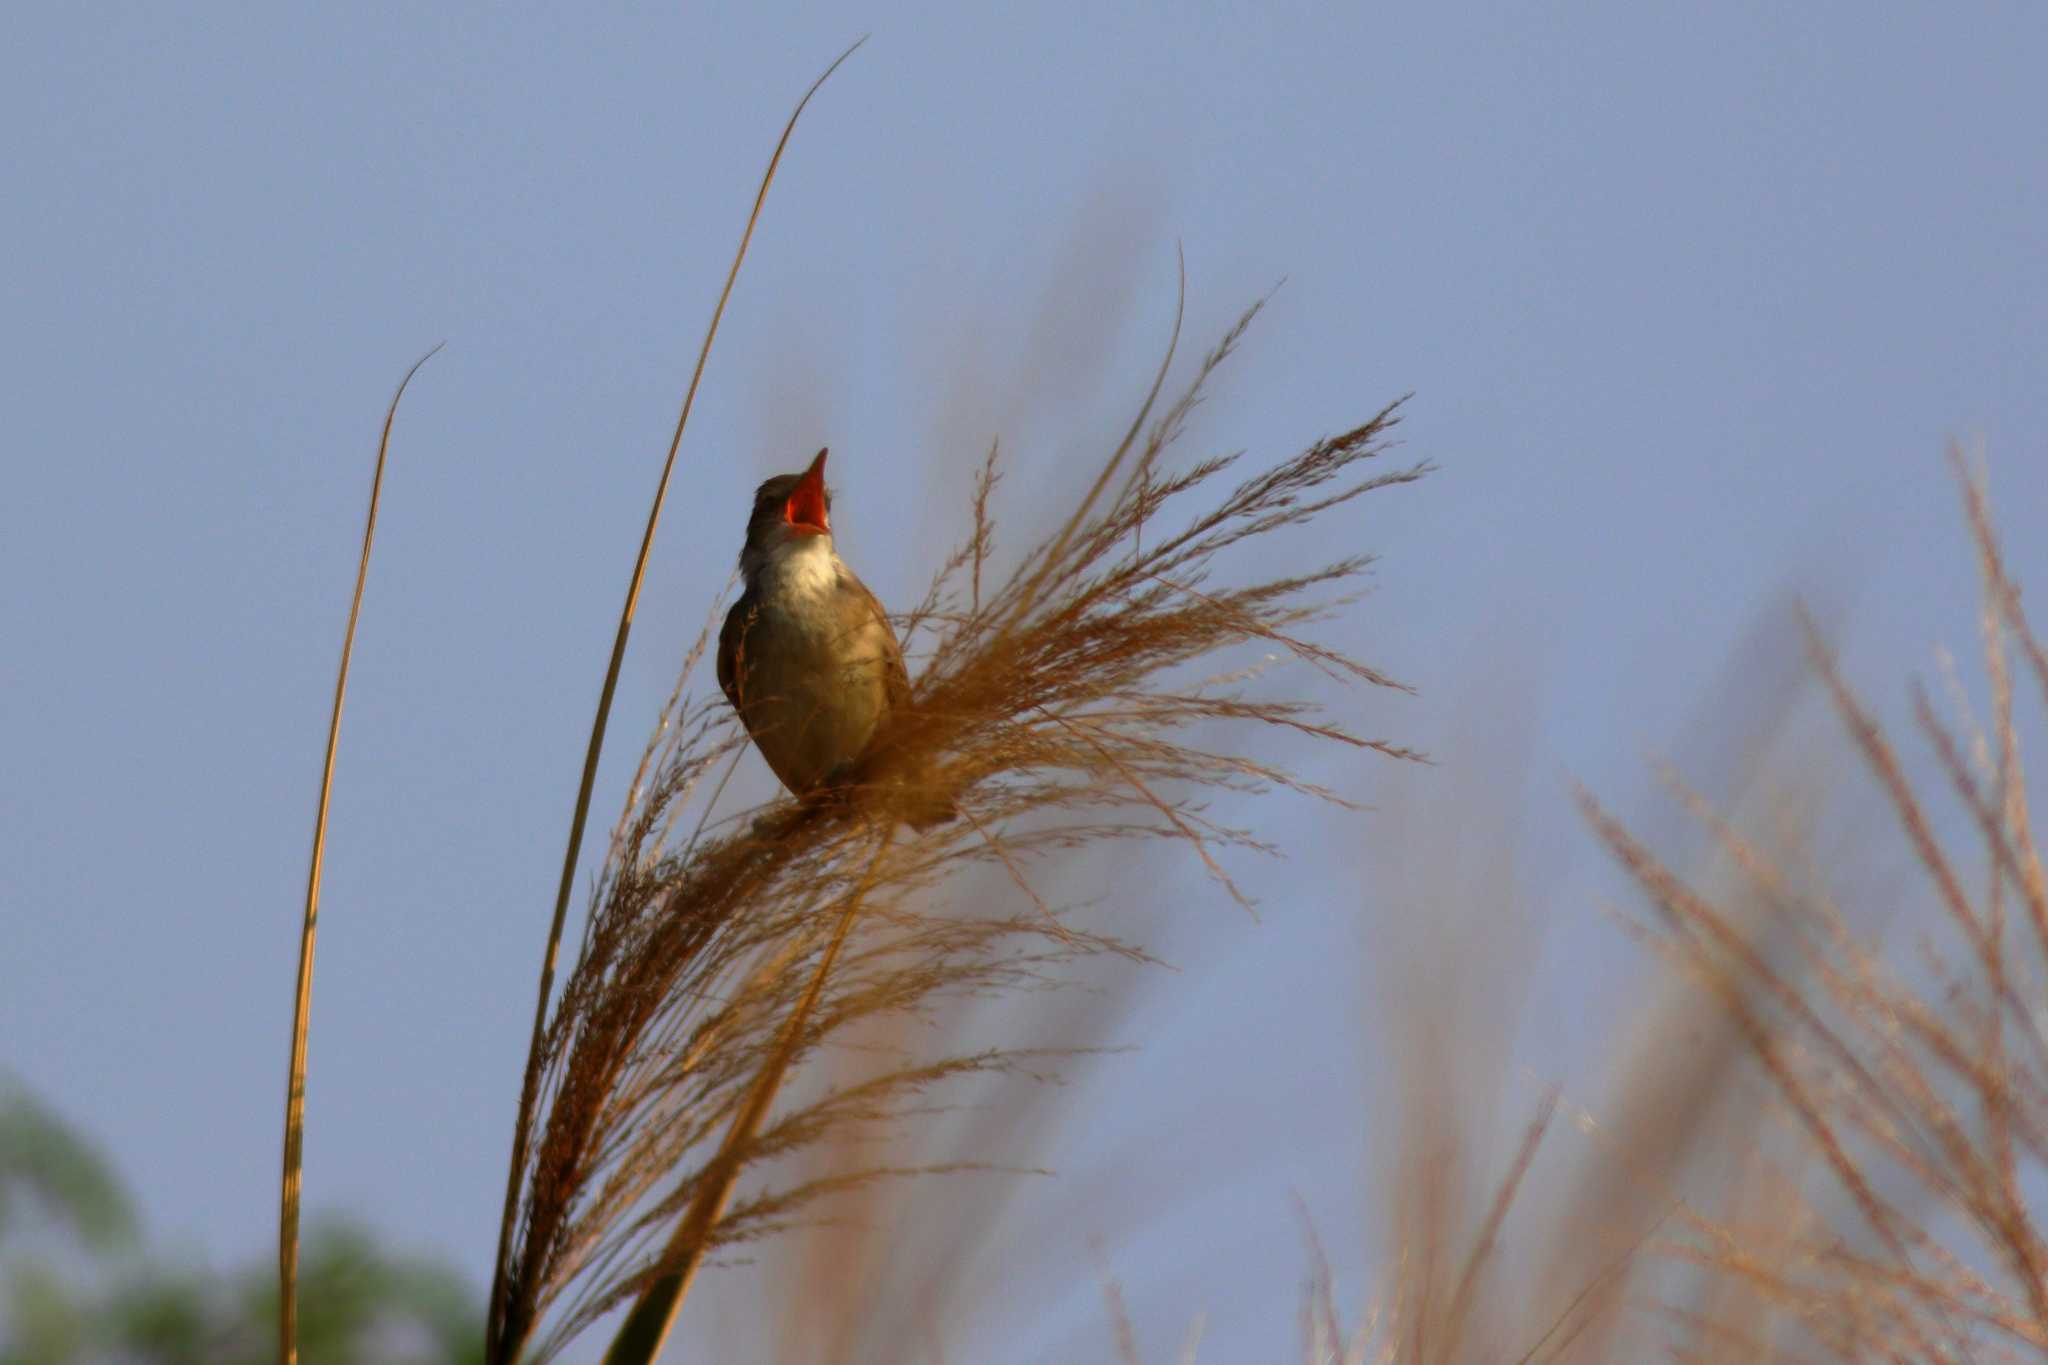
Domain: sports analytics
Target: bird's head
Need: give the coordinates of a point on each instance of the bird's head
(790, 510)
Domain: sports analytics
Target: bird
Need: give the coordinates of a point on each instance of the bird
(807, 656)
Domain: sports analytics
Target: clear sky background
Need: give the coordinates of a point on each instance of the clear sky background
(1690, 299)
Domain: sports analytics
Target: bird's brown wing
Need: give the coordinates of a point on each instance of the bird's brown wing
(895, 677)
(925, 802)
(731, 639)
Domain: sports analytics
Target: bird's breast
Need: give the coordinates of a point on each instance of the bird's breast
(809, 674)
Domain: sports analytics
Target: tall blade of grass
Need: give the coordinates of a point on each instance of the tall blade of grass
(295, 1087)
(530, 1086)
(646, 1328)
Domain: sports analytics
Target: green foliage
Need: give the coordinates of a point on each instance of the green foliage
(362, 1304)
(43, 1160)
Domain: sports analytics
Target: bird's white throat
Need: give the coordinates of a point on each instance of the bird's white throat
(801, 566)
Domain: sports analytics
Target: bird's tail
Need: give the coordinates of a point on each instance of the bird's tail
(920, 799)
(924, 809)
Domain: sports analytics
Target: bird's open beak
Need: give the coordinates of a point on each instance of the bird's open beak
(805, 509)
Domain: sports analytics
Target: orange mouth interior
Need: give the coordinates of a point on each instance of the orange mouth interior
(805, 509)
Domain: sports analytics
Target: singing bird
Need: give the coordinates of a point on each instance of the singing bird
(807, 656)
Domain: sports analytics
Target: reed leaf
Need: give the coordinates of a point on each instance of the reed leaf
(529, 1085)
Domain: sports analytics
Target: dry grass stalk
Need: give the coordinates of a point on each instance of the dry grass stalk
(302, 1003)
(1055, 713)
(1436, 1307)
(522, 1131)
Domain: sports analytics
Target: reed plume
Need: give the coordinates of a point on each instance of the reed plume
(1829, 1143)
(1065, 707)
(1914, 1094)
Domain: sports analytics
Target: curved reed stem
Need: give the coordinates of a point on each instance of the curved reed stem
(295, 1085)
(495, 1345)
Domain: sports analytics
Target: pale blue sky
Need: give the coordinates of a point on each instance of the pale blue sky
(1690, 299)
